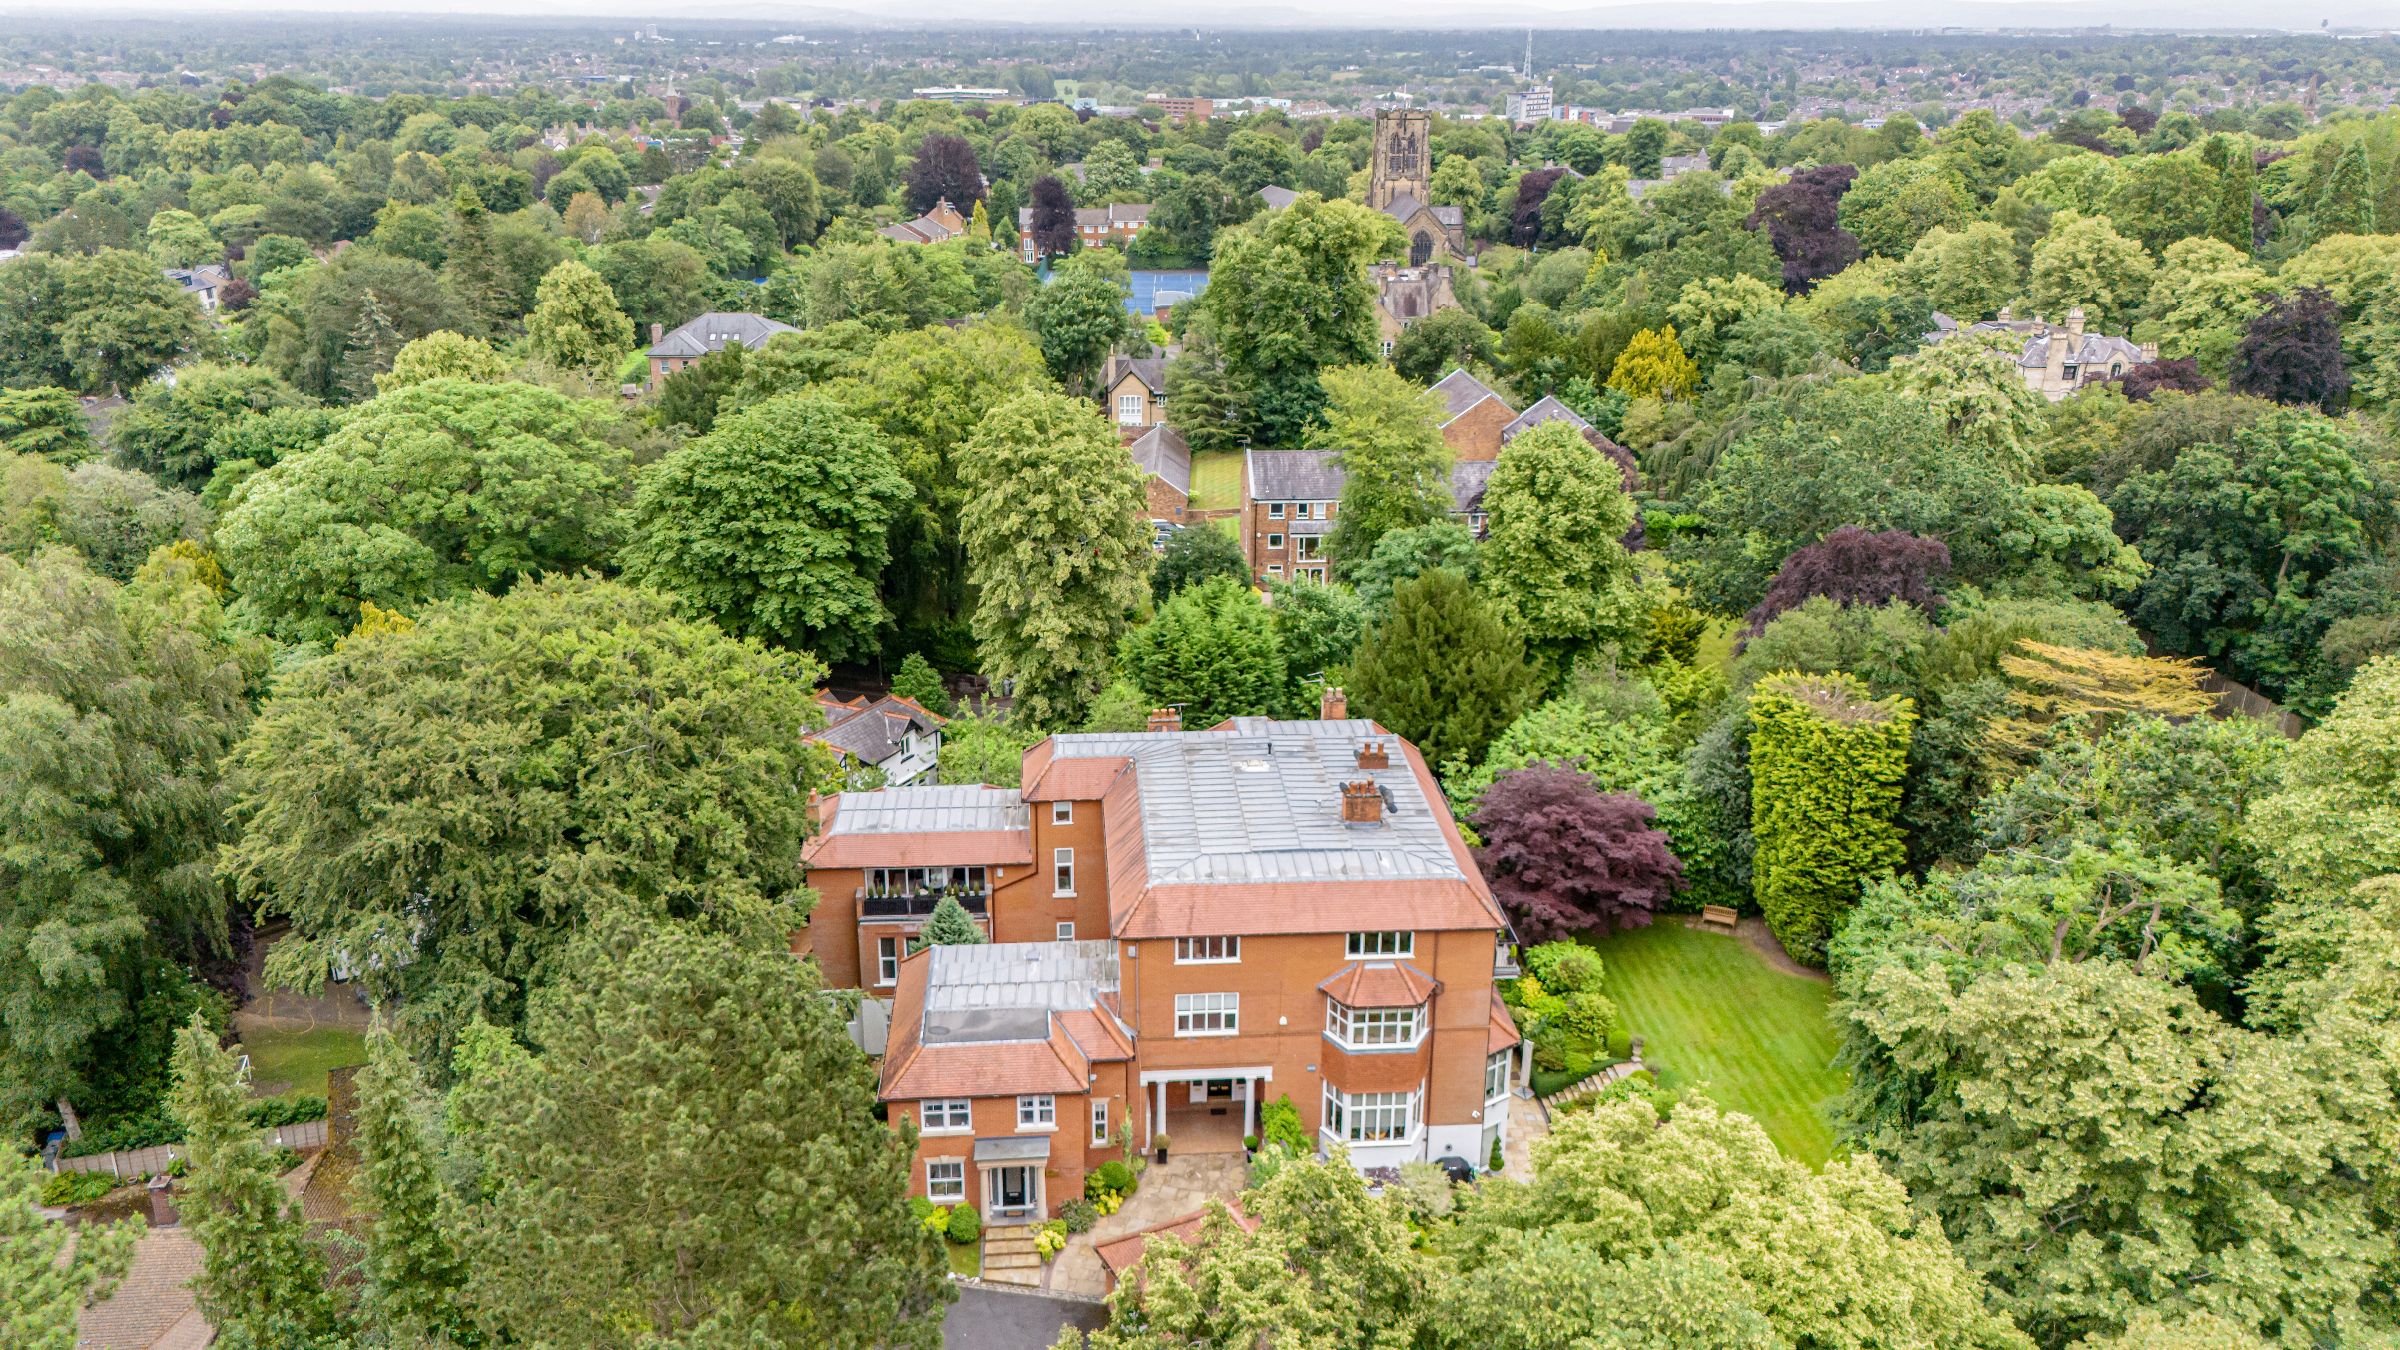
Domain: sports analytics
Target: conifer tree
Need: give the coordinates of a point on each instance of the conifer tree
(918, 682)
(1826, 765)
(1443, 670)
(2237, 186)
(472, 264)
(415, 1274)
(948, 926)
(374, 344)
(262, 1280)
(2348, 204)
(41, 1287)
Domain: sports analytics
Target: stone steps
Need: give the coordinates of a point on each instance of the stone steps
(1009, 1257)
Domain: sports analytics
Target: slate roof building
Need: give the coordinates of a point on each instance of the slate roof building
(711, 332)
(1186, 924)
(2056, 359)
(896, 736)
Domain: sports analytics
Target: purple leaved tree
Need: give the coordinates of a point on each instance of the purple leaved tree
(1563, 856)
(1853, 567)
(1803, 218)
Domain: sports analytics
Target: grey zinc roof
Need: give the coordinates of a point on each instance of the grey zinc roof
(929, 810)
(1549, 409)
(711, 331)
(1012, 1148)
(1461, 391)
(1006, 991)
(1263, 804)
(1162, 452)
(1295, 476)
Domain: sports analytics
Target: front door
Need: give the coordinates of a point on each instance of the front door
(1015, 1189)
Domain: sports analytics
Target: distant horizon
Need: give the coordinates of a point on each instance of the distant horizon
(1870, 16)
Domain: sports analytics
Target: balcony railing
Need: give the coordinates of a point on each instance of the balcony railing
(1504, 961)
(875, 904)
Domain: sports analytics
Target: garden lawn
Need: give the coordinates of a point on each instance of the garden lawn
(301, 1059)
(966, 1259)
(1714, 1015)
(1217, 480)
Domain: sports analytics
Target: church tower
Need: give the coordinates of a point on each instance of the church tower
(1403, 160)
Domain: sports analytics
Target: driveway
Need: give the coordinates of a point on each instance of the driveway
(990, 1319)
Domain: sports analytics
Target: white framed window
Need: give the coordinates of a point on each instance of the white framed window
(945, 1115)
(887, 960)
(1208, 1014)
(1062, 871)
(946, 1180)
(1387, 349)
(1274, 510)
(1380, 944)
(1495, 1076)
(1129, 410)
(1066, 931)
(1374, 1028)
(1037, 1112)
(1099, 1121)
(1274, 541)
(1275, 569)
(1370, 1117)
(1207, 951)
(1301, 511)
(1062, 813)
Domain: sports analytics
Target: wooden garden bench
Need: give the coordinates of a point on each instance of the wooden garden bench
(1713, 915)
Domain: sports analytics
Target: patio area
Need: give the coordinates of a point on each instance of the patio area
(1185, 1183)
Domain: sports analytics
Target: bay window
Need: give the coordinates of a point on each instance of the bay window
(1370, 1117)
(1373, 1028)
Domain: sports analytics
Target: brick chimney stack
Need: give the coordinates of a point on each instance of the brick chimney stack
(1362, 803)
(1373, 755)
(1166, 719)
(1333, 705)
(658, 333)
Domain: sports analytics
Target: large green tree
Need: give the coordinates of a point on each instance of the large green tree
(428, 492)
(116, 707)
(124, 320)
(575, 324)
(776, 525)
(1443, 669)
(439, 806)
(1386, 434)
(1827, 761)
(1212, 651)
(1057, 549)
(776, 1216)
(167, 429)
(1289, 298)
(415, 1273)
(49, 1272)
(1553, 554)
(1080, 317)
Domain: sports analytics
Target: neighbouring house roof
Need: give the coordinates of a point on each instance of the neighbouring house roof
(1125, 1253)
(1315, 476)
(2085, 349)
(1003, 1018)
(711, 331)
(1277, 198)
(1549, 409)
(205, 277)
(1294, 475)
(872, 732)
(1380, 984)
(1461, 391)
(1115, 214)
(1150, 370)
(1676, 166)
(1164, 455)
(924, 827)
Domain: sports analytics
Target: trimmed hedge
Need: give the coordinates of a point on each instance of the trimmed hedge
(1827, 761)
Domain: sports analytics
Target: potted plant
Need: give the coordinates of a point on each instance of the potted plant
(1158, 1145)
(1250, 1145)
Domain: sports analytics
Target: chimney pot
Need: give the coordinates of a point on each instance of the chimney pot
(1362, 803)
(1333, 705)
(1373, 755)
(1166, 719)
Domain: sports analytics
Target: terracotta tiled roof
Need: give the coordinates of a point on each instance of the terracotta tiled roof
(1380, 984)
(1076, 780)
(1099, 1035)
(1126, 1252)
(959, 849)
(1504, 1028)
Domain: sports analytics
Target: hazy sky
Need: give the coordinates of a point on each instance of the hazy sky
(1479, 14)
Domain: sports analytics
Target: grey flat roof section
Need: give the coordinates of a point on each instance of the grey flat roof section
(1263, 804)
(929, 810)
(1013, 1149)
(1007, 991)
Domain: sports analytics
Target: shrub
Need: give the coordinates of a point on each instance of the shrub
(1079, 1215)
(1499, 1159)
(287, 1110)
(68, 1189)
(965, 1225)
(283, 1160)
(1620, 1042)
(1050, 1239)
(1279, 1123)
(1549, 1049)
(1590, 1017)
(1109, 1176)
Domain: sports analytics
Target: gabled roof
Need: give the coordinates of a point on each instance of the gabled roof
(1469, 479)
(1074, 780)
(1461, 391)
(1277, 198)
(1548, 409)
(1294, 475)
(1163, 454)
(1150, 370)
(999, 1019)
(872, 732)
(711, 331)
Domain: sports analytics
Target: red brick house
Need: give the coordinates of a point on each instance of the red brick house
(1475, 416)
(1186, 925)
(1166, 463)
(1116, 223)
